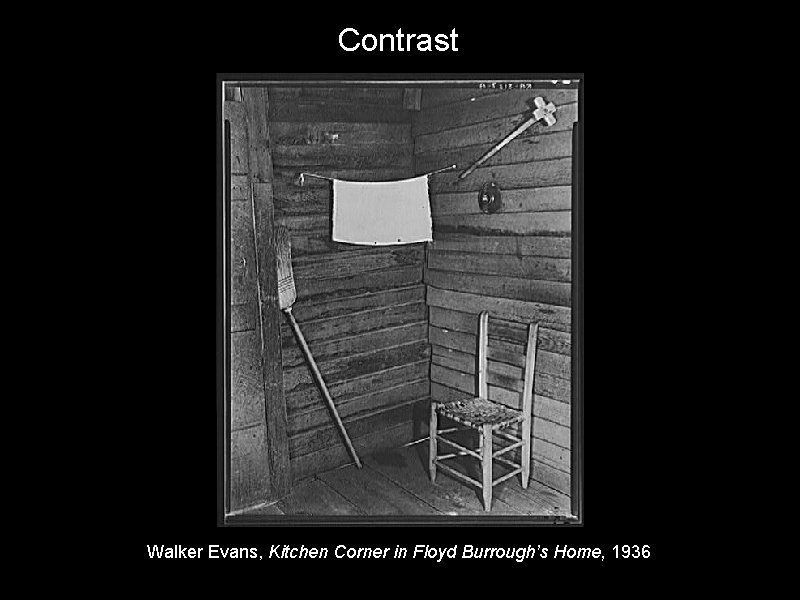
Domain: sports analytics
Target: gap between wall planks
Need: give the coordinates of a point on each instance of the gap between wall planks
(362, 309)
(515, 264)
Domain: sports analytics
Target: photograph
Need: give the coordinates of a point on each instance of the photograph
(399, 286)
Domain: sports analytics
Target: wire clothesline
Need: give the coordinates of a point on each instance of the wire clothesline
(302, 175)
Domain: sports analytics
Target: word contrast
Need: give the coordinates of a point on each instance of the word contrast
(351, 40)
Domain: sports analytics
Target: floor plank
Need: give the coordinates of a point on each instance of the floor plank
(313, 497)
(408, 467)
(375, 494)
(557, 502)
(511, 492)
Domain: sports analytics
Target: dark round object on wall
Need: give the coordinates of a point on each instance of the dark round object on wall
(489, 197)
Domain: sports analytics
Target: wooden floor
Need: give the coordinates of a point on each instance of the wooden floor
(396, 482)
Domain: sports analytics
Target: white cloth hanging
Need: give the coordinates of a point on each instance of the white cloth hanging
(381, 213)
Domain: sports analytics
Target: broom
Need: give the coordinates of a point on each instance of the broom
(286, 297)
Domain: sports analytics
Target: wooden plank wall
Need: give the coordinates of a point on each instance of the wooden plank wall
(362, 310)
(514, 263)
(258, 464)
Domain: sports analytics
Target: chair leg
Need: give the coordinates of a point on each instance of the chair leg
(432, 442)
(526, 456)
(486, 459)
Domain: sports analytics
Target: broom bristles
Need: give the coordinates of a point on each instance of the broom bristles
(283, 250)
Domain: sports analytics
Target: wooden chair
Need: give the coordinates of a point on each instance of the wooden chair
(489, 418)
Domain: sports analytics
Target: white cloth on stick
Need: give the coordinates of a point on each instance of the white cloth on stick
(380, 213)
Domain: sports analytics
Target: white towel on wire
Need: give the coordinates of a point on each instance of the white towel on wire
(380, 213)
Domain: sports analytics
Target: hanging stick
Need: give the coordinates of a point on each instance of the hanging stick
(303, 175)
(542, 111)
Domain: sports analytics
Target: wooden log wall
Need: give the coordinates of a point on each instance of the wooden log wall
(514, 263)
(361, 309)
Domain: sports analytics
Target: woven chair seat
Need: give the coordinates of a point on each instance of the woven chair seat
(477, 412)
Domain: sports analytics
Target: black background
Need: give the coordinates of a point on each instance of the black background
(638, 447)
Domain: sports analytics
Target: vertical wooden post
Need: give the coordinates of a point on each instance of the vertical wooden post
(527, 402)
(260, 178)
(432, 449)
(486, 460)
(485, 435)
(483, 337)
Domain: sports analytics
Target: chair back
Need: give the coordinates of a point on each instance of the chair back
(506, 361)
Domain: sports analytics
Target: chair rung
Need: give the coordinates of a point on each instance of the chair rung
(507, 462)
(459, 446)
(453, 455)
(507, 475)
(452, 429)
(506, 449)
(460, 475)
(507, 436)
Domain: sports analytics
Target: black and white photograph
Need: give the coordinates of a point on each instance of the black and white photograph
(400, 288)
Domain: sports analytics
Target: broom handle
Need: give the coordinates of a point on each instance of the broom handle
(321, 382)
